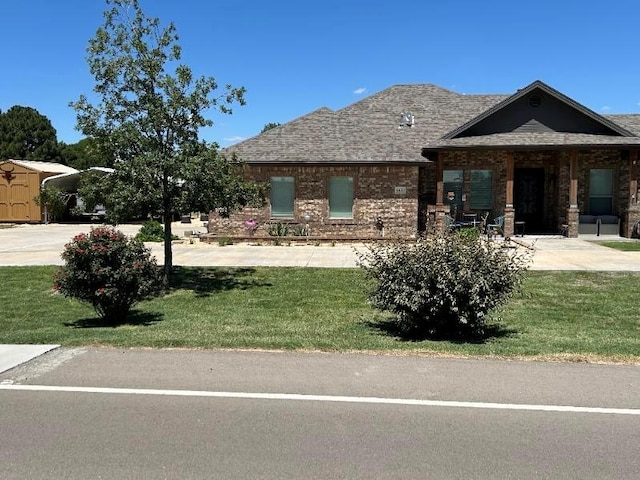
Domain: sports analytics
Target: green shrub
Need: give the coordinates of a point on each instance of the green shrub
(443, 285)
(152, 231)
(54, 200)
(224, 241)
(108, 271)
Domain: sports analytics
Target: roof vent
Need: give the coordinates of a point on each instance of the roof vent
(535, 101)
(406, 120)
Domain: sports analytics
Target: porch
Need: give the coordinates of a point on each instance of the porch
(539, 191)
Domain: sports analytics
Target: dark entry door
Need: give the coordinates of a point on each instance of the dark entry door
(529, 198)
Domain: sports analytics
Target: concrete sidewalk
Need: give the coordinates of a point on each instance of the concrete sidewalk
(13, 355)
(42, 245)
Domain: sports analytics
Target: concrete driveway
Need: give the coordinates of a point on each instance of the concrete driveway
(42, 245)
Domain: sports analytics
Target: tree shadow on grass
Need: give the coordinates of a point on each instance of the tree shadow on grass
(391, 327)
(204, 281)
(135, 318)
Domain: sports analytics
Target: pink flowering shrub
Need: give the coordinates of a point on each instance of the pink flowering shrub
(107, 270)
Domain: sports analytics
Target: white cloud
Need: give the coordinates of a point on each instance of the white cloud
(606, 108)
(360, 91)
(235, 139)
(638, 104)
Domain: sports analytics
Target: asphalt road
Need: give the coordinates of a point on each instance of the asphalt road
(223, 414)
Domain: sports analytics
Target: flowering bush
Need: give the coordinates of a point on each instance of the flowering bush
(443, 285)
(108, 271)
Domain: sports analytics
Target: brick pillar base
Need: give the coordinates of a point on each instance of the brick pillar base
(573, 216)
(509, 222)
(436, 215)
(633, 217)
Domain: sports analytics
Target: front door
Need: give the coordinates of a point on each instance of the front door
(528, 193)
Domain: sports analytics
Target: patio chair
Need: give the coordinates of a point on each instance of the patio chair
(450, 223)
(496, 227)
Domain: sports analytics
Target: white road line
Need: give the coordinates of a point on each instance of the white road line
(324, 398)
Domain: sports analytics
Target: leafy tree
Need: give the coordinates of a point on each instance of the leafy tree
(25, 134)
(55, 201)
(269, 126)
(84, 154)
(150, 111)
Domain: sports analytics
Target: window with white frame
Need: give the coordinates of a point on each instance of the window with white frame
(341, 197)
(282, 197)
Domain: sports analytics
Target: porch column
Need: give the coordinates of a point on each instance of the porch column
(509, 211)
(633, 211)
(441, 208)
(573, 213)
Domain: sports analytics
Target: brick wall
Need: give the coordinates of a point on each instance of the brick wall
(556, 174)
(374, 196)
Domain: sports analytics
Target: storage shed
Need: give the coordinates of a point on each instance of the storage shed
(20, 183)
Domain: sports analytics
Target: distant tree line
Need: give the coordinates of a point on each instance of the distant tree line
(26, 134)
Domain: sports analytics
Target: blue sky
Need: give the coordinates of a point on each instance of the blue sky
(294, 56)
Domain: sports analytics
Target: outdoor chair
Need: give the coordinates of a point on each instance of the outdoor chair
(450, 223)
(496, 227)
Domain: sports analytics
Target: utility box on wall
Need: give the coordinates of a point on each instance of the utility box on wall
(20, 183)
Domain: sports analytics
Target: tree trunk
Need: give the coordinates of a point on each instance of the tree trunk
(168, 252)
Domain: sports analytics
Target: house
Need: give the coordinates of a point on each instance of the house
(410, 155)
(20, 182)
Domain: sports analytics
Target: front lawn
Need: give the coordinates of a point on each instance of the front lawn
(583, 315)
(626, 246)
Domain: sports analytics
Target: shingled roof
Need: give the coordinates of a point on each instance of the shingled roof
(396, 124)
(367, 132)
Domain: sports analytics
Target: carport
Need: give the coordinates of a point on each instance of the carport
(69, 182)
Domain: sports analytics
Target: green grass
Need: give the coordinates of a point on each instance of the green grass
(584, 315)
(627, 246)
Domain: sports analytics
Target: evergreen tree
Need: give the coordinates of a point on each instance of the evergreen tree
(25, 134)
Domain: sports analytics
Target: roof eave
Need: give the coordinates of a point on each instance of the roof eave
(551, 91)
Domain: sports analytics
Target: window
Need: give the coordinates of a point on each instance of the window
(282, 197)
(341, 197)
(600, 191)
(452, 184)
(481, 189)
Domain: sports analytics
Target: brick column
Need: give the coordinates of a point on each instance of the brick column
(509, 222)
(633, 219)
(509, 212)
(573, 213)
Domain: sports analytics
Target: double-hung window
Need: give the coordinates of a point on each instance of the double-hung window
(341, 197)
(600, 191)
(481, 189)
(282, 197)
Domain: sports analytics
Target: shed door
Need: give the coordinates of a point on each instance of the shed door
(15, 199)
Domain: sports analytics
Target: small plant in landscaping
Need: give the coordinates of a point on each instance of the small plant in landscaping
(224, 241)
(443, 285)
(278, 229)
(152, 231)
(109, 271)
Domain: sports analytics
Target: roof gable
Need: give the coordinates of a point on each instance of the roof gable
(538, 108)
(45, 167)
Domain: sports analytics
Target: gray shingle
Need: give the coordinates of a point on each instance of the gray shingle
(371, 131)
